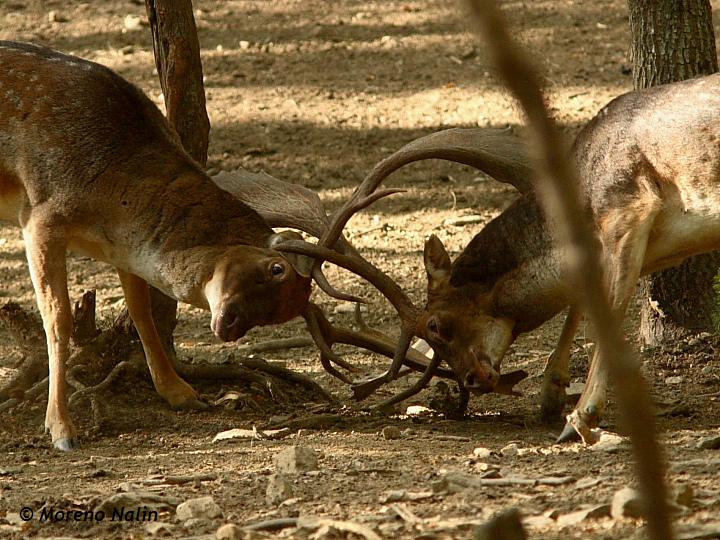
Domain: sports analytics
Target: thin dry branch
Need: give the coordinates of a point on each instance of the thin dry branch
(560, 197)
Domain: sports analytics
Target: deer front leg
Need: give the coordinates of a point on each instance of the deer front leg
(556, 376)
(178, 393)
(45, 248)
(624, 233)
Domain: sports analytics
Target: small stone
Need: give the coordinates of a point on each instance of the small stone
(127, 49)
(417, 410)
(296, 460)
(482, 453)
(159, 528)
(593, 512)
(200, 508)
(626, 503)
(511, 450)
(244, 45)
(709, 443)
(55, 16)
(608, 442)
(229, 531)
(673, 380)
(391, 432)
(278, 489)
(132, 22)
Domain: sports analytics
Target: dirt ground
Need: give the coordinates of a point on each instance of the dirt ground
(316, 92)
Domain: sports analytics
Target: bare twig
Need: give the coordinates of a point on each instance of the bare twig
(560, 196)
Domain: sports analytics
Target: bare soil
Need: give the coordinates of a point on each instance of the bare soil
(316, 92)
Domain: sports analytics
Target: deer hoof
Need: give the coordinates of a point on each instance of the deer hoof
(552, 404)
(66, 444)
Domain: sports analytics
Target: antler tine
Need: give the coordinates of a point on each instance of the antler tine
(401, 302)
(357, 265)
(327, 287)
(497, 153)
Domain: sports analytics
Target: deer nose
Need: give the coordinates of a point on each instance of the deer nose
(482, 377)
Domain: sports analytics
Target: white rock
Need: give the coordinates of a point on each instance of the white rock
(200, 508)
(417, 410)
(593, 512)
(279, 489)
(229, 531)
(626, 503)
(674, 380)
(482, 453)
(296, 460)
(132, 22)
(511, 450)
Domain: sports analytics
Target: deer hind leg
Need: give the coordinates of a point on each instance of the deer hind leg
(45, 247)
(178, 393)
(625, 235)
(556, 377)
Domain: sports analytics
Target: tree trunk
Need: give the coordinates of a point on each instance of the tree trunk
(177, 57)
(674, 40)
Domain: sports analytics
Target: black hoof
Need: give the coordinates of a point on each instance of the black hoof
(66, 444)
(568, 434)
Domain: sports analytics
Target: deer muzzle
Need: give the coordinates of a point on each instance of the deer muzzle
(481, 376)
(229, 325)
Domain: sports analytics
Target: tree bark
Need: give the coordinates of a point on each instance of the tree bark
(177, 57)
(673, 40)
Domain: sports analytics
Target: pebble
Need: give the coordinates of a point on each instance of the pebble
(608, 442)
(674, 380)
(296, 460)
(200, 508)
(132, 22)
(482, 453)
(391, 432)
(244, 45)
(55, 16)
(279, 489)
(626, 503)
(511, 450)
(417, 410)
(229, 531)
(709, 443)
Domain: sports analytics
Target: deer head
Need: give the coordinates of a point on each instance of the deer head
(253, 286)
(459, 324)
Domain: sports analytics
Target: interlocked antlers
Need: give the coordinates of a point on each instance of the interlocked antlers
(497, 153)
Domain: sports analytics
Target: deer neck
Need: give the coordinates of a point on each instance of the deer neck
(174, 223)
(515, 261)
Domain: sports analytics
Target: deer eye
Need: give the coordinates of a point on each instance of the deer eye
(277, 269)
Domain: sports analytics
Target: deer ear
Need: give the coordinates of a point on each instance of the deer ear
(437, 262)
(302, 264)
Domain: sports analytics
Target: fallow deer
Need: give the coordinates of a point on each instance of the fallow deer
(89, 164)
(649, 164)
